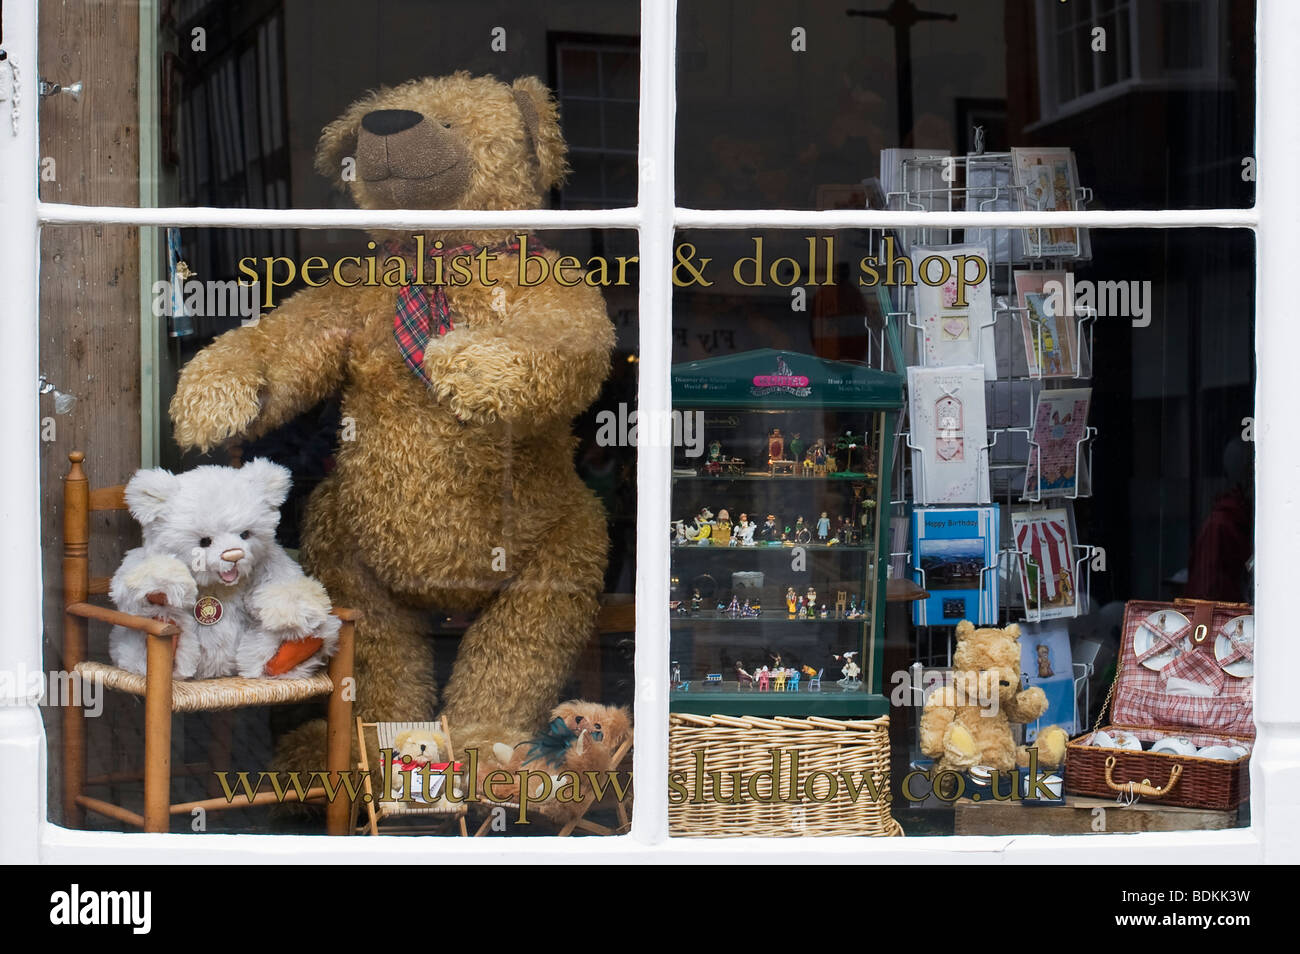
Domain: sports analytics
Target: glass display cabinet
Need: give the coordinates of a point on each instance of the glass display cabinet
(780, 534)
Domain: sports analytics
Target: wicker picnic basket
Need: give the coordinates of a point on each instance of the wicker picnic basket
(1141, 706)
(819, 750)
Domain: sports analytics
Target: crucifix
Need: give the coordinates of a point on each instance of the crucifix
(902, 15)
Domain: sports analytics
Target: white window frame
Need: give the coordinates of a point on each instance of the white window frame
(26, 835)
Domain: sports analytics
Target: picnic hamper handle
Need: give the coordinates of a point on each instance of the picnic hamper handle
(1143, 788)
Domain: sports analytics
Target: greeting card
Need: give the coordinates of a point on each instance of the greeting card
(954, 558)
(1046, 662)
(955, 318)
(1056, 460)
(1045, 562)
(1051, 339)
(1048, 180)
(949, 435)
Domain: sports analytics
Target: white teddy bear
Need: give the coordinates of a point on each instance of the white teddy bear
(211, 565)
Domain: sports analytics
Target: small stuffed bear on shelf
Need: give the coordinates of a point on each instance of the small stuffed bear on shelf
(210, 564)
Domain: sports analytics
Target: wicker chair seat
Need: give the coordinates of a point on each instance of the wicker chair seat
(210, 695)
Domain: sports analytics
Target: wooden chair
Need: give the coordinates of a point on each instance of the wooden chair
(439, 812)
(164, 697)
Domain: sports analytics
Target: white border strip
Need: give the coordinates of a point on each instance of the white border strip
(654, 398)
(54, 213)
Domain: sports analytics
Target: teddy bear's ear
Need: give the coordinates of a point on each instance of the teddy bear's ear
(148, 493)
(269, 479)
(1013, 630)
(542, 121)
(964, 629)
(337, 141)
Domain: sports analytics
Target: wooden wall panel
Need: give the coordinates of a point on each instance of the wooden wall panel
(90, 298)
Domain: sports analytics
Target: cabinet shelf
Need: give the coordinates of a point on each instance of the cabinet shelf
(756, 622)
(729, 700)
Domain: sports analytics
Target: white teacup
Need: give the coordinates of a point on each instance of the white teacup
(1123, 740)
(1224, 753)
(1174, 745)
(1102, 740)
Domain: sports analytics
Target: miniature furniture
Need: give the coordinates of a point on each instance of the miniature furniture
(439, 812)
(164, 697)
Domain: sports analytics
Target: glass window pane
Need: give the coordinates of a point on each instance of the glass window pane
(446, 444)
(244, 90)
(873, 456)
(779, 100)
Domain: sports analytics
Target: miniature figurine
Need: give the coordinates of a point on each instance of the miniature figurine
(798, 607)
(679, 533)
(733, 608)
(801, 534)
(796, 447)
(747, 611)
(823, 527)
(851, 671)
(791, 599)
(770, 532)
(703, 527)
(824, 612)
(745, 530)
(695, 602)
(743, 678)
(810, 599)
(757, 607)
(722, 529)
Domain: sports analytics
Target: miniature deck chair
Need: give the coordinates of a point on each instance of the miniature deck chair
(579, 823)
(164, 697)
(439, 811)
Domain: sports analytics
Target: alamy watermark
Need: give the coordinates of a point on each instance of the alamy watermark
(626, 427)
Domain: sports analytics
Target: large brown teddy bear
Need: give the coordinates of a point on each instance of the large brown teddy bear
(457, 490)
(969, 722)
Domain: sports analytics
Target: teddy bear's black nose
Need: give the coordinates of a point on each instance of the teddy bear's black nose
(385, 122)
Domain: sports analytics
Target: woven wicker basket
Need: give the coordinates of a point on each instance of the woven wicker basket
(824, 753)
(1185, 781)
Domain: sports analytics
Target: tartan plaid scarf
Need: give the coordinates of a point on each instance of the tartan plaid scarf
(423, 311)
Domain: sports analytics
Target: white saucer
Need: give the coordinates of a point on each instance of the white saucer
(1223, 646)
(1144, 640)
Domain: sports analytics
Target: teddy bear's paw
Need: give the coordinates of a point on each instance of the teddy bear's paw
(959, 748)
(295, 608)
(1030, 704)
(153, 585)
(214, 404)
(502, 753)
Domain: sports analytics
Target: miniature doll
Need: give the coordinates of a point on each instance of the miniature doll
(796, 447)
(791, 599)
(798, 607)
(770, 532)
(743, 678)
(824, 612)
(757, 607)
(801, 533)
(733, 608)
(745, 531)
(810, 601)
(823, 527)
(722, 529)
(695, 602)
(747, 611)
(703, 527)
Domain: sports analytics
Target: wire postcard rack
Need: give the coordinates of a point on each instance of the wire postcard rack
(1025, 367)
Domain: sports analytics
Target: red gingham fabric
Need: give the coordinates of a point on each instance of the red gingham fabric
(424, 311)
(1141, 698)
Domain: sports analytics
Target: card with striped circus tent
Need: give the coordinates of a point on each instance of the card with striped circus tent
(1046, 562)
